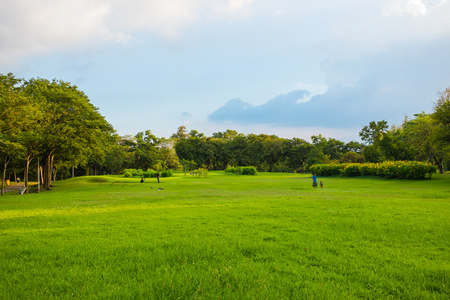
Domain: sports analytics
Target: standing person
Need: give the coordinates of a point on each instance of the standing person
(157, 176)
(18, 180)
(321, 185)
(314, 180)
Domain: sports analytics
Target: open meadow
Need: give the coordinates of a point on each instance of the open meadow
(269, 236)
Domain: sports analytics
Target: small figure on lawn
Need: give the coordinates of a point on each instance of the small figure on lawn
(314, 180)
(142, 180)
(157, 176)
(321, 185)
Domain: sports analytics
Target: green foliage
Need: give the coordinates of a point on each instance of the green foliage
(249, 171)
(242, 170)
(388, 169)
(351, 157)
(351, 170)
(167, 173)
(373, 131)
(326, 169)
(201, 172)
(147, 174)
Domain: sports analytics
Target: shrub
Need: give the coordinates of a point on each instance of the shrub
(249, 171)
(230, 170)
(166, 173)
(150, 173)
(387, 169)
(326, 169)
(147, 174)
(351, 170)
(241, 170)
(202, 172)
(138, 172)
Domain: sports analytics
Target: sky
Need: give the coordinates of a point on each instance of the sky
(291, 68)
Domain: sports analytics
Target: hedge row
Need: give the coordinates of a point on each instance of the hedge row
(242, 170)
(146, 174)
(388, 169)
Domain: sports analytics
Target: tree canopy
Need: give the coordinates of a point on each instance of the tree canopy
(54, 121)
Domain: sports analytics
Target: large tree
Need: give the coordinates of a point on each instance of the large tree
(296, 152)
(72, 125)
(13, 119)
(146, 153)
(441, 119)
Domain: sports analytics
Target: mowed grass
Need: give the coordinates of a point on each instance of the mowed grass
(270, 236)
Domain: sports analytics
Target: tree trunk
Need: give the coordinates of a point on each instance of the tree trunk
(47, 176)
(5, 165)
(25, 177)
(41, 170)
(52, 158)
(3, 177)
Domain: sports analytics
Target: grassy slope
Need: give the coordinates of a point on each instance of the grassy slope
(268, 236)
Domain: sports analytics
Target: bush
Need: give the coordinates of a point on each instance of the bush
(326, 169)
(202, 172)
(147, 174)
(241, 170)
(351, 170)
(387, 169)
(166, 173)
(150, 173)
(230, 170)
(249, 171)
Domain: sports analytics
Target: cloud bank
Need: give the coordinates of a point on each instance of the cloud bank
(393, 68)
(30, 27)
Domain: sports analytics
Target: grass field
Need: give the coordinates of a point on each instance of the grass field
(270, 236)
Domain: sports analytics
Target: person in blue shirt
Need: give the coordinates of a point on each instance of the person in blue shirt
(314, 180)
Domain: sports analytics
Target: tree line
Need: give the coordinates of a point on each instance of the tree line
(54, 123)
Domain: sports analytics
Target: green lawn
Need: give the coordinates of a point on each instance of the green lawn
(269, 236)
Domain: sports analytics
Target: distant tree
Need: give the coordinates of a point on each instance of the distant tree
(195, 133)
(441, 120)
(146, 153)
(353, 146)
(393, 145)
(351, 157)
(273, 146)
(296, 152)
(372, 132)
(181, 133)
(334, 149)
(372, 154)
(316, 155)
(167, 154)
(117, 158)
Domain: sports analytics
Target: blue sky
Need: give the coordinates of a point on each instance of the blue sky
(292, 68)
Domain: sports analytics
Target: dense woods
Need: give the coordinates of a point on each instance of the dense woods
(54, 123)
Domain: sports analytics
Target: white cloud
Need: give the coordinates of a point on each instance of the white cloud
(30, 27)
(386, 67)
(401, 7)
